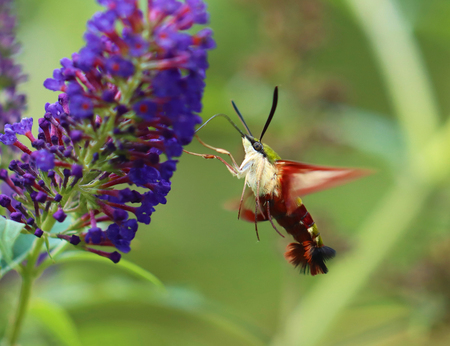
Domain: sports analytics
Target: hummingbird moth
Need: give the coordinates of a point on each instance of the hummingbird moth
(276, 189)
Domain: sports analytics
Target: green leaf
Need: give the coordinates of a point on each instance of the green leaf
(56, 321)
(75, 256)
(9, 232)
(22, 242)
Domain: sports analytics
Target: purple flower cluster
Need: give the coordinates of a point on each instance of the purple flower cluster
(129, 97)
(12, 104)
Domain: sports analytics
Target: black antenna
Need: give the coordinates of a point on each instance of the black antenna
(221, 115)
(272, 112)
(241, 117)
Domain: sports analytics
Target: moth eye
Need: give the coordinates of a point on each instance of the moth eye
(257, 146)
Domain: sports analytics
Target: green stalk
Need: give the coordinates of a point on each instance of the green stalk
(28, 277)
(29, 274)
(401, 66)
(405, 76)
(55, 253)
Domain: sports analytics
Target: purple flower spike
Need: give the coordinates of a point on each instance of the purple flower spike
(12, 103)
(130, 101)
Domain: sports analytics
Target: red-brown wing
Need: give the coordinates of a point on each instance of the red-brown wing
(299, 179)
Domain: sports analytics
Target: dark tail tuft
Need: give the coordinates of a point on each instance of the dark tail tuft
(309, 257)
(295, 254)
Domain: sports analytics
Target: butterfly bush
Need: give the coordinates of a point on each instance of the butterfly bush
(128, 103)
(12, 103)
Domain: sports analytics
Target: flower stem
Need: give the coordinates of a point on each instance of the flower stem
(28, 277)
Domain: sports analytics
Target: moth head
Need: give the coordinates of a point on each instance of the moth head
(253, 145)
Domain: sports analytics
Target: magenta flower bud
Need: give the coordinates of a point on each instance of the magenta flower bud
(38, 233)
(60, 216)
(44, 124)
(28, 179)
(72, 239)
(5, 201)
(76, 135)
(77, 171)
(16, 216)
(3, 174)
(115, 256)
(41, 197)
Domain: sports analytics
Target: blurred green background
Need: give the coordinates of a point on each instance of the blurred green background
(363, 83)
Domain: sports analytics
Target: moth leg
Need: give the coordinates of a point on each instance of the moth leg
(219, 150)
(258, 185)
(271, 221)
(233, 170)
(242, 197)
(256, 222)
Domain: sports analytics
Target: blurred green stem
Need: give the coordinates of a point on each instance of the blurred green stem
(405, 76)
(28, 277)
(402, 67)
(29, 274)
